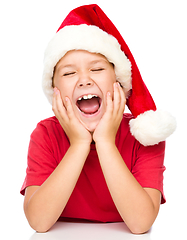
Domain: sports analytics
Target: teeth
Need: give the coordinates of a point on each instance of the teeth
(89, 96)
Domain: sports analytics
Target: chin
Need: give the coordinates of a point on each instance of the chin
(90, 122)
(91, 127)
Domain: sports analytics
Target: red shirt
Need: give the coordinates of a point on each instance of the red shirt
(91, 199)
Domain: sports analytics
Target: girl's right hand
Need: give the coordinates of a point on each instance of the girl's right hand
(75, 131)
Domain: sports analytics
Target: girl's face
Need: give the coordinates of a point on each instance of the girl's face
(85, 78)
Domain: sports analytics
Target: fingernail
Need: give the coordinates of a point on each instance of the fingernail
(56, 91)
(119, 84)
(116, 84)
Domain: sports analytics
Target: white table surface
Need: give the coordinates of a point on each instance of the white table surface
(87, 231)
(168, 225)
(109, 231)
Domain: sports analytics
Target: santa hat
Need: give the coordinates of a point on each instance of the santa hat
(88, 28)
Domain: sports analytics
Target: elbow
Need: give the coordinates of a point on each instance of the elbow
(40, 228)
(139, 228)
(138, 231)
(140, 225)
(39, 225)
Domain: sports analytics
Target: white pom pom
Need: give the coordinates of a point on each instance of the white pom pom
(152, 127)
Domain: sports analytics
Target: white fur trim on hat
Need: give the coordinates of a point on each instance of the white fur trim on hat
(89, 38)
(152, 127)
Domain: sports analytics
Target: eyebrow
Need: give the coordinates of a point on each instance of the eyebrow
(98, 61)
(65, 66)
(73, 65)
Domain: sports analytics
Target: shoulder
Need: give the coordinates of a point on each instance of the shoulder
(127, 117)
(48, 123)
(49, 136)
(124, 137)
(124, 126)
(47, 128)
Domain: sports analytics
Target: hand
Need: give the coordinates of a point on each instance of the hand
(107, 128)
(75, 131)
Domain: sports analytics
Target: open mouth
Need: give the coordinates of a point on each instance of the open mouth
(89, 104)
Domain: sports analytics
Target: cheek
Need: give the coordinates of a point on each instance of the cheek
(108, 88)
(65, 89)
(111, 85)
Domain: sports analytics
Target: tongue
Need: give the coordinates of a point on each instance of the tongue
(89, 106)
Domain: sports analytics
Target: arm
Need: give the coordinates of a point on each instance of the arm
(137, 206)
(44, 204)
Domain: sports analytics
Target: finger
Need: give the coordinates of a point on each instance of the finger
(54, 104)
(123, 100)
(117, 98)
(109, 105)
(70, 111)
(60, 110)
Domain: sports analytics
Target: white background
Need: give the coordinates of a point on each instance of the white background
(155, 31)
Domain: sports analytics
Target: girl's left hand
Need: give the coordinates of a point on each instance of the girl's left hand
(108, 126)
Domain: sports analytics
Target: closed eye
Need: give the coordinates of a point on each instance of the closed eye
(97, 69)
(68, 74)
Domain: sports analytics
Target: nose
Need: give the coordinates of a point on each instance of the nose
(85, 81)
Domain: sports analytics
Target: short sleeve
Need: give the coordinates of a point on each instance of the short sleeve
(40, 161)
(149, 167)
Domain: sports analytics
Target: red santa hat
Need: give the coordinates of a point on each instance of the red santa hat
(88, 28)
